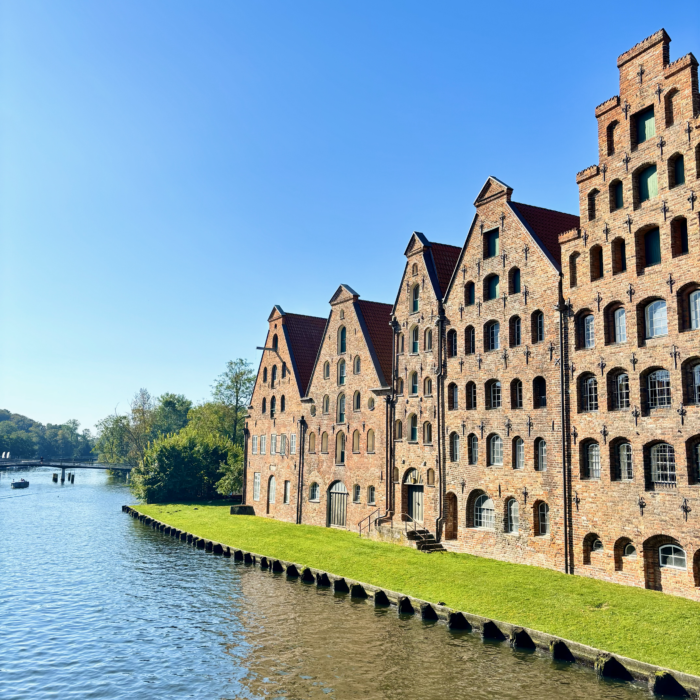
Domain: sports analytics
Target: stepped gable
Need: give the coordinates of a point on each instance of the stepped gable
(304, 334)
(547, 224)
(377, 317)
(445, 258)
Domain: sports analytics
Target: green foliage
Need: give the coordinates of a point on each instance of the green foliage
(234, 389)
(232, 470)
(171, 413)
(212, 417)
(25, 438)
(188, 465)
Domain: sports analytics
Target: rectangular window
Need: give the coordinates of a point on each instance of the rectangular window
(679, 170)
(287, 491)
(263, 441)
(492, 244)
(648, 184)
(256, 486)
(619, 200)
(273, 444)
(652, 247)
(646, 125)
(283, 445)
(293, 444)
(623, 257)
(255, 444)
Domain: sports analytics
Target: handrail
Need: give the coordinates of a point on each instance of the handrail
(371, 522)
(415, 525)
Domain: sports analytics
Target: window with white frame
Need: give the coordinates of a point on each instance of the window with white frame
(495, 394)
(263, 441)
(287, 491)
(663, 464)
(356, 493)
(694, 302)
(256, 486)
(588, 331)
(271, 490)
(541, 454)
(592, 461)
(620, 321)
(255, 444)
(543, 518)
(659, 387)
(314, 492)
(519, 454)
(589, 390)
(293, 444)
(624, 456)
(493, 332)
(621, 391)
(371, 495)
(513, 524)
(273, 444)
(484, 513)
(672, 556)
(496, 450)
(414, 383)
(415, 298)
(283, 444)
(473, 449)
(414, 340)
(656, 321)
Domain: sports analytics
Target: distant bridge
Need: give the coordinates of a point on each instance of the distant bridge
(62, 464)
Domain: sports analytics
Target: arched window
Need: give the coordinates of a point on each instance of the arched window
(471, 396)
(587, 323)
(284, 370)
(652, 247)
(537, 327)
(493, 394)
(414, 269)
(273, 379)
(679, 236)
(611, 133)
(370, 441)
(491, 287)
(515, 332)
(356, 401)
(326, 370)
(619, 256)
(428, 387)
(472, 449)
(454, 447)
(264, 405)
(495, 455)
(621, 461)
(399, 344)
(414, 383)
(430, 477)
(592, 196)
(452, 397)
(398, 430)
(399, 386)
(371, 491)
(514, 281)
(282, 404)
(469, 340)
(469, 294)
(275, 342)
(273, 407)
(672, 556)
(589, 393)
(356, 441)
(676, 171)
(671, 106)
(314, 492)
(356, 498)
(663, 463)
(428, 433)
(619, 326)
(619, 390)
(573, 269)
(656, 323)
(452, 343)
(312, 442)
(492, 335)
(542, 519)
(342, 339)
(540, 455)
(415, 298)
(659, 389)
(324, 443)
(491, 244)
(326, 404)
(357, 364)
(512, 516)
(616, 194)
(691, 381)
(484, 513)
(590, 460)
(264, 374)
(340, 418)
(340, 447)
(596, 258)
(341, 372)
(428, 342)
(539, 392)
(413, 428)
(414, 340)
(518, 453)
(370, 403)
(516, 394)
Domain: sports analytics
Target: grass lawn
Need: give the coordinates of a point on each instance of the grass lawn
(644, 625)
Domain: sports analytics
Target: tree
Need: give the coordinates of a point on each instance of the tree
(171, 413)
(212, 417)
(234, 388)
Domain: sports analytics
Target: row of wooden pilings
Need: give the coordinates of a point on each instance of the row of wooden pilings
(661, 681)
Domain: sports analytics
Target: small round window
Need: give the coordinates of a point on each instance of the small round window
(370, 403)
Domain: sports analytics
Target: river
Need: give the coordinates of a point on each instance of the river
(96, 605)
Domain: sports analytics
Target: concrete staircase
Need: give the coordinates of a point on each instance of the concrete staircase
(425, 541)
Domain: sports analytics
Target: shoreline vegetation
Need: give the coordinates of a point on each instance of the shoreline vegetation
(649, 626)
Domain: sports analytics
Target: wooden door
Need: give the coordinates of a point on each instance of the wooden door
(337, 505)
(415, 502)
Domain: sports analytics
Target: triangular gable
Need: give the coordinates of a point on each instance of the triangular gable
(343, 293)
(493, 189)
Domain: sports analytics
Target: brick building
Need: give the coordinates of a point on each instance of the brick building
(535, 395)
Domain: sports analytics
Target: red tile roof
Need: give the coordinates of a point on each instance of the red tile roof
(305, 334)
(445, 257)
(547, 224)
(377, 318)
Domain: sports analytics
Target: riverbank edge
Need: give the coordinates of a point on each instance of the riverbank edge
(661, 681)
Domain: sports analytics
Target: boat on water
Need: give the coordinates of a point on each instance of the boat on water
(21, 484)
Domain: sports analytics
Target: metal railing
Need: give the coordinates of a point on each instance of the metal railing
(372, 519)
(411, 525)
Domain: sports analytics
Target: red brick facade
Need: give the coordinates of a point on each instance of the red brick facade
(536, 393)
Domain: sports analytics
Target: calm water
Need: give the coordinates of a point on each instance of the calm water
(96, 605)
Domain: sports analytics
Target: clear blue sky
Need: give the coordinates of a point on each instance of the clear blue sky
(171, 170)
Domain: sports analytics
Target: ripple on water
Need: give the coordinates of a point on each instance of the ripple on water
(95, 605)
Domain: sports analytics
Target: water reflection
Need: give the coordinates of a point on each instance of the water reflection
(96, 605)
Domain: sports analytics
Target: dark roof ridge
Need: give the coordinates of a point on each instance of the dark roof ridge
(536, 206)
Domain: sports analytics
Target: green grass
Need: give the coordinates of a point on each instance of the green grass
(644, 625)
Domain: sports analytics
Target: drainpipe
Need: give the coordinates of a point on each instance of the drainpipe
(244, 490)
(300, 478)
(563, 310)
(440, 427)
(390, 411)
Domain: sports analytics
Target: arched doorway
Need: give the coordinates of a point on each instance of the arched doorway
(337, 504)
(451, 516)
(413, 495)
(270, 493)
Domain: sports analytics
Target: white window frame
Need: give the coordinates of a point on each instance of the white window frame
(655, 315)
(255, 444)
(694, 304)
(520, 453)
(283, 444)
(287, 492)
(663, 464)
(496, 449)
(484, 513)
(620, 319)
(273, 444)
(513, 517)
(263, 444)
(293, 444)
(589, 331)
(593, 460)
(256, 486)
(671, 558)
